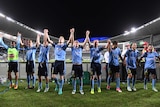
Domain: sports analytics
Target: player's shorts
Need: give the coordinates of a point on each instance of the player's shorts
(113, 69)
(77, 71)
(59, 67)
(96, 68)
(131, 71)
(43, 69)
(30, 67)
(148, 71)
(13, 66)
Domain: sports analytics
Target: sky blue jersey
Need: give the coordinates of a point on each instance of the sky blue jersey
(131, 58)
(150, 60)
(114, 56)
(30, 53)
(77, 55)
(95, 54)
(44, 53)
(60, 51)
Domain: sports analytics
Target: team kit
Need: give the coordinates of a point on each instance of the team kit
(130, 59)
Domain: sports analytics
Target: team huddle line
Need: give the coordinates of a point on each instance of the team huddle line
(130, 59)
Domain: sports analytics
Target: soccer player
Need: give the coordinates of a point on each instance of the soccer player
(145, 47)
(77, 69)
(131, 56)
(124, 72)
(30, 63)
(59, 67)
(114, 55)
(150, 66)
(43, 60)
(96, 59)
(13, 52)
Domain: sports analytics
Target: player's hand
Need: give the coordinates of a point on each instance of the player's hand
(109, 41)
(72, 30)
(45, 30)
(18, 34)
(87, 33)
(39, 35)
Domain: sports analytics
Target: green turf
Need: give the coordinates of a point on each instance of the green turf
(111, 98)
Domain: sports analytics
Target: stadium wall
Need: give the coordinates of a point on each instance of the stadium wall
(86, 67)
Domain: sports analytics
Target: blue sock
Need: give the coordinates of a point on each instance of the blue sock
(40, 85)
(74, 83)
(117, 82)
(99, 83)
(47, 85)
(56, 81)
(145, 81)
(81, 84)
(11, 82)
(61, 84)
(153, 83)
(128, 81)
(33, 80)
(16, 81)
(108, 80)
(28, 80)
(133, 81)
(92, 84)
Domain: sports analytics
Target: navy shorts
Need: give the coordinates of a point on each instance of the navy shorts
(13, 66)
(113, 69)
(59, 67)
(96, 68)
(43, 69)
(152, 71)
(131, 70)
(77, 70)
(30, 66)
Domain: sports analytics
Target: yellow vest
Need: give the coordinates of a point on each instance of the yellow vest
(12, 54)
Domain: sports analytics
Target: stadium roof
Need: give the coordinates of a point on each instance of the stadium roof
(148, 29)
(11, 26)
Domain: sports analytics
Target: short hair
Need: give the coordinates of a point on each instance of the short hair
(115, 42)
(133, 43)
(13, 42)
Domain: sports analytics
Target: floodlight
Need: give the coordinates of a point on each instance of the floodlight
(10, 19)
(2, 15)
(126, 33)
(133, 30)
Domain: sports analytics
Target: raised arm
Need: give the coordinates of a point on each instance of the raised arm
(19, 38)
(71, 37)
(2, 43)
(87, 37)
(46, 36)
(87, 40)
(19, 41)
(108, 45)
(38, 40)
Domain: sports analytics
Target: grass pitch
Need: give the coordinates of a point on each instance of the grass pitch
(107, 98)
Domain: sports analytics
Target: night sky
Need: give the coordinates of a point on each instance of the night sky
(102, 18)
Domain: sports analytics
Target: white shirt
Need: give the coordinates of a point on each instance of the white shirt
(124, 52)
(106, 57)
